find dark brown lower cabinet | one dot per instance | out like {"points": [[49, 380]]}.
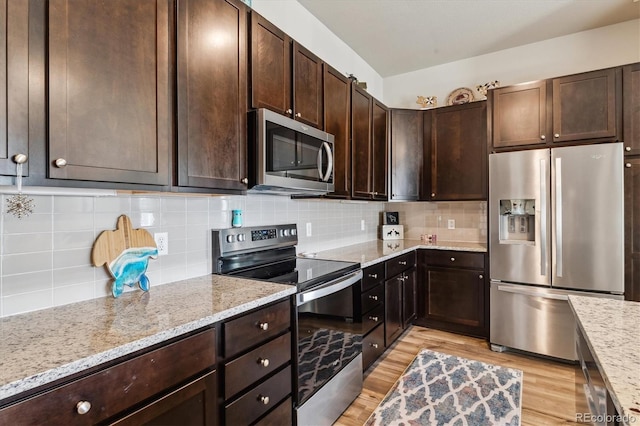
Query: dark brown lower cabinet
{"points": [[372, 313], [393, 324], [452, 292]]}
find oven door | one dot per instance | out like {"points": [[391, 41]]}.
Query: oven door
{"points": [[328, 337]]}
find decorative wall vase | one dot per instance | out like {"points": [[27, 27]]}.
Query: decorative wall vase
{"points": [[125, 252]]}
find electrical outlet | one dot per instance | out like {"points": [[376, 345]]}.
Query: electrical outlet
{"points": [[308, 229], [363, 226], [451, 224], [162, 242]]}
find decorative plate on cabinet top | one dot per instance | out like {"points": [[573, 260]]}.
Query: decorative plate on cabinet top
{"points": [[462, 95]]}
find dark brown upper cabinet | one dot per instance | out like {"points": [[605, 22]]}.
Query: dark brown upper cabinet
{"points": [[631, 108], [585, 106], [520, 115], [14, 84], [459, 152], [110, 90], [337, 110], [212, 94], [281, 71], [369, 134], [406, 154]]}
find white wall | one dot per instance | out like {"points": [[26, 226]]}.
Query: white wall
{"points": [[291, 17], [585, 51]]}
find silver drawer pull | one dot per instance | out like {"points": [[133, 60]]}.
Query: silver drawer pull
{"points": [[373, 297], [453, 259], [264, 326], [375, 319], [263, 362], [83, 407], [264, 399], [374, 276], [402, 263], [374, 345]]}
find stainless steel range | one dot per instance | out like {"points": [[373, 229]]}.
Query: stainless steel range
{"points": [[329, 342]]}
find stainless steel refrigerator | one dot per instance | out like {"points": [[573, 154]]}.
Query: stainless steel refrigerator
{"points": [[556, 224]]}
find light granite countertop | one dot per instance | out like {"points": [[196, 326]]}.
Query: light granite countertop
{"points": [[372, 252], [611, 328], [40, 347]]}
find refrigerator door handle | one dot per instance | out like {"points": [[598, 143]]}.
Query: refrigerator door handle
{"points": [[532, 293], [543, 217], [558, 219]]}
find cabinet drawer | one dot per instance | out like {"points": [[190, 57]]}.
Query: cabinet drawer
{"points": [[371, 319], [372, 346], [455, 259], [259, 400], [281, 415], [400, 263], [115, 389], [251, 367], [372, 298], [254, 328], [372, 276]]}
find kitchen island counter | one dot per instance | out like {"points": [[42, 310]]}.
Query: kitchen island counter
{"points": [[611, 329], [44, 346], [372, 252]]}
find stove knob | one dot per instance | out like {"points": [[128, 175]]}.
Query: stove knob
{"points": [[285, 232], [231, 238], [293, 231], [240, 237]]}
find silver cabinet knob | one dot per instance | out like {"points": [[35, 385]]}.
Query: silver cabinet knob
{"points": [[374, 319], [83, 407], [298, 115], [264, 362], [60, 162], [264, 326], [20, 158], [374, 276], [481, 276], [627, 148], [244, 180], [264, 399], [373, 297], [374, 345], [289, 111], [433, 194], [375, 193], [453, 259], [628, 165], [543, 137], [557, 135]]}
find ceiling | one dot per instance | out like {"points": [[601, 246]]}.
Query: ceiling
{"points": [[399, 36]]}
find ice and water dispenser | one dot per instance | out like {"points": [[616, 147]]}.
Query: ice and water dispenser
{"points": [[517, 221]]}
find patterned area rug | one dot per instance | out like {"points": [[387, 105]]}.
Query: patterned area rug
{"points": [[440, 389]]}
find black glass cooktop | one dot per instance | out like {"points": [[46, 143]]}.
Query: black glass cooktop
{"points": [[303, 272]]}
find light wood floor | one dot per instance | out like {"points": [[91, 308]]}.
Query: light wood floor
{"points": [[548, 394]]}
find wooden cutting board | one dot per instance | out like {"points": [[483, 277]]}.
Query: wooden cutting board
{"points": [[110, 244]]}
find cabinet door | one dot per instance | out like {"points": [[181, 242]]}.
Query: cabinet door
{"points": [[307, 86], [406, 154], [270, 66], [110, 91], [379, 150], [393, 324], [14, 84], [454, 296], [632, 229], [631, 108], [409, 297], [212, 97], [427, 135], [192, 404], [584, 106], [361, 166], [519, 114], [337, 110], [458, 153]]}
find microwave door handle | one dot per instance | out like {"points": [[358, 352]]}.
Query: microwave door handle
{"points": [[327, 148], [319, 163]]}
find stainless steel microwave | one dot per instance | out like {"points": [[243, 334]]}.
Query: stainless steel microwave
{"points": [[289, 157]]}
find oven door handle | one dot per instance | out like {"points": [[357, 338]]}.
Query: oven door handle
{"points": [[328, 288]]}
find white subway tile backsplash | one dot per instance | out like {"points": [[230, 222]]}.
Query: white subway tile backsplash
{"points": [[73, 222], [73, 240], [27, 243], [26, 283], [73, 293], [26, 302], [71, 258], [74, 275], [31, 224], [28, 262]]}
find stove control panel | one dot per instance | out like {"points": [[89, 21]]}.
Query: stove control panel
{"points": [[253, 238]]}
